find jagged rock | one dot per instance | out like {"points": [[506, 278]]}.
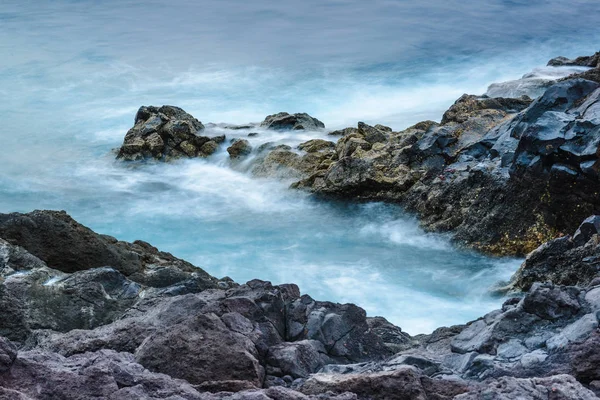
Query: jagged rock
{"points": [[285, 121], [239, 148], [164, 133], [585, 61], [342, 329], [563, 261], [588, 228], [392, 336], [550, 302]]}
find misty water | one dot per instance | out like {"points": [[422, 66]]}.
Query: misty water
{"points": [[73, 73]]}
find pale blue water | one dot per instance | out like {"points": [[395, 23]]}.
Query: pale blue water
{"points": [[73, 73]]}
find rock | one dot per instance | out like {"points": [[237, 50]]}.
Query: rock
{"points": [[298, 359], [462, 110], [342, 329], [588, 228], [163, 133], [343, 132], [8, 353], [240, 148], [64, 244], [554, 387], [208, 148], [392, 336], [585, 61], [550, 302], [285, 121], [561, 261], [585, 358], [105, 374], [201, 349], [404, 383], [504, 175], [315, 145]]}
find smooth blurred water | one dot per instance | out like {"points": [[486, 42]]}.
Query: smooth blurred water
{"points": [[73, 73]]}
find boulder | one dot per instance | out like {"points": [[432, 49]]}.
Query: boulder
{"points": [[200, 349], [239, 148], [285, 121], [164, 133]]}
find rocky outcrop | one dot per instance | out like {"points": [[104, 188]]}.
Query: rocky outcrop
{"points": [[504, 175], [568, 260], [165, 133], [285, 121]]}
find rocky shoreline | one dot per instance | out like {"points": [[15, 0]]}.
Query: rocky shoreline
{"points": [[504, 175], [88, 316]]}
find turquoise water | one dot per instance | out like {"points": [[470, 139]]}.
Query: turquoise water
{"points": [[73, 73]]}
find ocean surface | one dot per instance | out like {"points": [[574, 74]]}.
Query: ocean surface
{"points": [[73, 74]]}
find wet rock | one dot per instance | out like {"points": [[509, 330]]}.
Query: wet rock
{"points": [[240, 148], [163, 133], [285, 121]]}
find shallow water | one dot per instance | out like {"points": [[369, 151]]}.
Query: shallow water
{"points": [[73, 73]]}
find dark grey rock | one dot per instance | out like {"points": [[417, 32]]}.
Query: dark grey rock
{"points": [[163, 133], [285, 121]]}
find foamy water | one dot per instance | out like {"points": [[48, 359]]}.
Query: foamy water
{"points": [[74, 73]]}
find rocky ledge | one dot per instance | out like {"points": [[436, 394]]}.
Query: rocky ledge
{"points": [[87, 316]]}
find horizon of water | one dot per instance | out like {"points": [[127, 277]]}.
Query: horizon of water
{"points": [[73, 73]]}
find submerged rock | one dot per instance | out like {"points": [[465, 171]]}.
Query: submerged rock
{"points": [[285, 121]]}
